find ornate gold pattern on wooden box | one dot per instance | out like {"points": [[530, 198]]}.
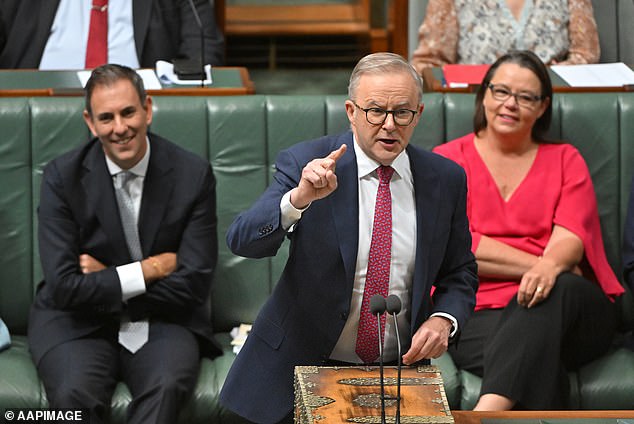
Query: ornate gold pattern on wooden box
{"points": [[332, 395]]}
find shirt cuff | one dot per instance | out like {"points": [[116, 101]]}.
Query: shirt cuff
{"points": [[131, 280], [454, 322], [290, 214]]}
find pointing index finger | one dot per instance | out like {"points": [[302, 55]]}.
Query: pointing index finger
{"points": [[337, 154]]}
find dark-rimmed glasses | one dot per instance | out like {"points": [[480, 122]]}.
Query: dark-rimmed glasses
{"points": [[376, 115], [525, 99]]}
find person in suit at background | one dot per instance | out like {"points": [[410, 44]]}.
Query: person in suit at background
{"points": [[478, 32], [53, 34], [128, 246], [323, 199], [546, 301]]}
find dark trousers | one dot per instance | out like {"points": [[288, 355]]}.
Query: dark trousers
{"points": [[525, 354], [161, 375]]}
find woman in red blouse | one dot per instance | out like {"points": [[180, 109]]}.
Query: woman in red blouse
{"points": [[546, 299]]}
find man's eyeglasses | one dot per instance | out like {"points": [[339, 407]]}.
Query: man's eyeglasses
{"points": [[376, 115], [502, 93]]}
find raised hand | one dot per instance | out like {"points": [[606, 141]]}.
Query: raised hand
{"points": [[318, 179]]}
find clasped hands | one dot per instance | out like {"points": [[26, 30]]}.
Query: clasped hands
{"points": [[154, 267], [318, 179]]}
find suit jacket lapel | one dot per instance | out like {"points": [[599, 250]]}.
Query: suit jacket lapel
{"points": [[47, 12], [99, 190], [141, 12], [29, 33], [427, 195], [157, 189], [345, 206]]}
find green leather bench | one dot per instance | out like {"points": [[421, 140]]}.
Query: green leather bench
{"points": [[241, 137]]}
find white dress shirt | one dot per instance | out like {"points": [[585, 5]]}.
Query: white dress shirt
{"points": [[68, 38]]}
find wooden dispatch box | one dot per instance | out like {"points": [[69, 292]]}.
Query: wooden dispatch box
{"points": [[332, 395]]}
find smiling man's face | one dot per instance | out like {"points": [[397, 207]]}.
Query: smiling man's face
{"points": [[120, 121], [389, 91]]}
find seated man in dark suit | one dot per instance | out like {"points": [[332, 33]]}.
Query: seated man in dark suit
{"points": [[324, 196], [54, 34], [128, 245]]}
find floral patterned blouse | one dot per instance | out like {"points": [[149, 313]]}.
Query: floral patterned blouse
{"points": [[480, 31]]}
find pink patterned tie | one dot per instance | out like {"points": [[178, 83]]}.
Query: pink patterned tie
{"points": [[377, 278]]}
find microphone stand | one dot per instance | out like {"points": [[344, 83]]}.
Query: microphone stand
{"points": [[394, 307], [378, 317], [202, 43], [398, 375], [377, 307]]}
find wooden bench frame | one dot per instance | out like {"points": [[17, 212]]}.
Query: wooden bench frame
{"points": [[383, 22]]}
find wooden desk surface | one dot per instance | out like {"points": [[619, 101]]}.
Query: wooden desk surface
{"points": [[473, 417], [227, 81], [432, 78]]}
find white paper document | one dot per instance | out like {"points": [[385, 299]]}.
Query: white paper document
{"points": [[165, 72], [596, 75], [239, 336], [150, 80]]}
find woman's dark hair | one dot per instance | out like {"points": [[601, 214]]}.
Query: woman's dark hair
{"points": [[525, 59], [109, 74]]}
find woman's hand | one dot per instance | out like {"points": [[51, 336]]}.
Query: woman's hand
{"points": [[537, 283], [563, 252]]}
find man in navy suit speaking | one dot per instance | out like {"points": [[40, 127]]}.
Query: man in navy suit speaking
{"points": [[366, 213]]}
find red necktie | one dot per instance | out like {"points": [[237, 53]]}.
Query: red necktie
{"points": [[97, 47], [377, 278]]}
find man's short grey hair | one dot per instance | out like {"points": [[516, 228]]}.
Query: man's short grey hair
{"points": [[382, 63]]}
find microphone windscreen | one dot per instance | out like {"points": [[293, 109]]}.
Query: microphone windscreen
{"points": [[377, 304], [393, 304]]}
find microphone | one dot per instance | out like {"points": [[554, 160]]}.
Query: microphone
{"points": [[393, 306], [190, 69], [377, 307]]}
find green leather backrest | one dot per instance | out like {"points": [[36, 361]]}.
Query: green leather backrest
{"points": [[56, 127], [241, 137], [183, 120], [591, 124], [237, 145], [15, 213], [625, 105]]}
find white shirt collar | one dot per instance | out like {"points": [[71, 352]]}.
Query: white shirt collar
{"points": [[367, 165], [139, 169]]}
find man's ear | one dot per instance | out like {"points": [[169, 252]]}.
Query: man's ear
{"points": [[350, 110], [148, 110], [89, 123]]}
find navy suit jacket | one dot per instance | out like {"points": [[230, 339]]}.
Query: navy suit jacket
{"points": [[78, 214], [163, 29], [303, 318]]}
